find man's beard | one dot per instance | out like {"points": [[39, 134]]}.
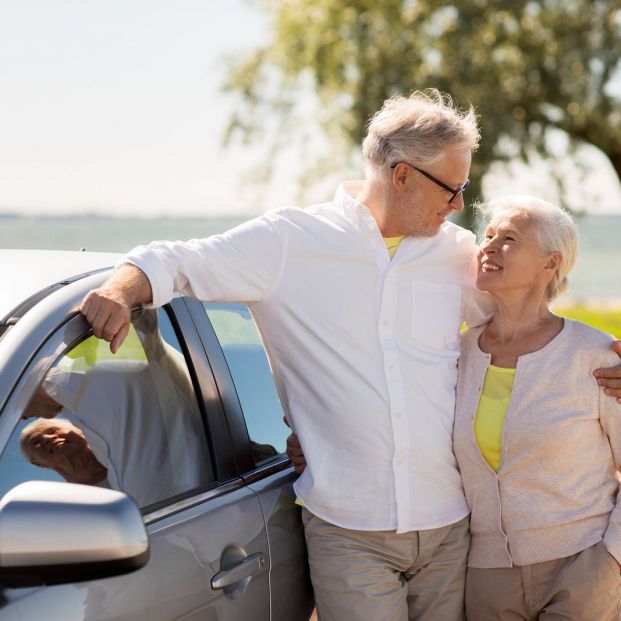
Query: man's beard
{"points": [[414, 225]]}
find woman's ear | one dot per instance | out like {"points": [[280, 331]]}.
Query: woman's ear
{"points": [[553, 260]]}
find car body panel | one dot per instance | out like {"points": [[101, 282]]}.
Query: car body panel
{"points": [[290, 587]]}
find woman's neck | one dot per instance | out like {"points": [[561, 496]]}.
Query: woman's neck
{"points": [[521, 325], [86, 470], [518, 316]]}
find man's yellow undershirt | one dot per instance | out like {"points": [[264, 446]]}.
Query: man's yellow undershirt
{"points": [[392, 243], [490, 416]]}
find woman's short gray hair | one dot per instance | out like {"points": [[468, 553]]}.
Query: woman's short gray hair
{"points": [[40, 424], [418, 129], [554, 227]]}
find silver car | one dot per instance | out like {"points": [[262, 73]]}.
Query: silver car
{"points": [[150, 484]]}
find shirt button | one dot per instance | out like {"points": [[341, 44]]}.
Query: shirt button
{"points": [[391, 367], [384, 323], [397, 414], [399, 462]]}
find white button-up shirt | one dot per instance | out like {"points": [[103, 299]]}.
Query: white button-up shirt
{"points": [[363, 350]]}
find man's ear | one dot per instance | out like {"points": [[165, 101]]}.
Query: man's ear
{"points": [[400, 174]]}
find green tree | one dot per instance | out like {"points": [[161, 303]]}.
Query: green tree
{"points": [[529, 67]]}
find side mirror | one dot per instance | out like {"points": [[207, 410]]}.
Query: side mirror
{"points": [[53, 533]]}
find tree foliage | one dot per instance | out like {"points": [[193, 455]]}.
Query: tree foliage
{"points": [[529, 68]]}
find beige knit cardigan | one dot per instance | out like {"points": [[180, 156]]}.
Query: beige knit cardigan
{"points": [[557, 489]]}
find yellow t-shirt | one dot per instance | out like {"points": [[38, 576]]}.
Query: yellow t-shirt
{"points": [[490, 416], [392, 243]]}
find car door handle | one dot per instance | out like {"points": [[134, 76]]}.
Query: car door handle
{"points": [[250, 566]]}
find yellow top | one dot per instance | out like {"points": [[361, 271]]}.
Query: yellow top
{"points": [[490, 416], [392, 243]]}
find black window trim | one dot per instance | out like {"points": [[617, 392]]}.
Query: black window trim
{"points": [[248, 470]]}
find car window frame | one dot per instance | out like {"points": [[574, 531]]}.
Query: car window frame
{"points": [[69, 335], [53, 327], [233, 412]]}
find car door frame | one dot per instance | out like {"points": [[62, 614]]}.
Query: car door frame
{"points": [[233, 412], [53, 326]]}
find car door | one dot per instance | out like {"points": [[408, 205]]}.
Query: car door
{"points": [[255, 419], [208, 541]]}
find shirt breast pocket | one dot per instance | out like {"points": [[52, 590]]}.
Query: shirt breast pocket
{"points": [[436, 314]]}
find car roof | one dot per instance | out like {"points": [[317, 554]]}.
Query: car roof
{"points": [[25, 273]]}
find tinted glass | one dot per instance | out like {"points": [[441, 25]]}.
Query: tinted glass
{"points": [[249, 366], [128, 421]]}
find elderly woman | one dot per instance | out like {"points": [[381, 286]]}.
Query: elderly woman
{"points": [[538, 446], [61, 446]]}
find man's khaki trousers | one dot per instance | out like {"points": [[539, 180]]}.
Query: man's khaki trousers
{"points": [[382, 576], [582, 587]]}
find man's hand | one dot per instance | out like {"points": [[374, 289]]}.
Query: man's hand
{"points": [[295, 454], [108, 309], [610, 379]]}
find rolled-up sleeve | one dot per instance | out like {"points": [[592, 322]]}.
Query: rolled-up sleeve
{"points": [[242, 265]]}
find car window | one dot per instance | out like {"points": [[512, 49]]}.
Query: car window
{"points": [[250, 369], [129, 421]]}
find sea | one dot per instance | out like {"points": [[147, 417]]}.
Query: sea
{"points": [[596, 279]]}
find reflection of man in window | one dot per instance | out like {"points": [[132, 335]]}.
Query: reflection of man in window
{"points": [[139, 417], [61, 446]]}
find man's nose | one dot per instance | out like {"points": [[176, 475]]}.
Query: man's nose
{"points": [[458, 203]]}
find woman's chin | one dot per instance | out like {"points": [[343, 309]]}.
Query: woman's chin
{"points": [[483, 284]]}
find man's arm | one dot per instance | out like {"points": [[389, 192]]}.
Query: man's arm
{"points": [[108, 309], [610, 378], [42, 405], [242, 265], [610, 420]]}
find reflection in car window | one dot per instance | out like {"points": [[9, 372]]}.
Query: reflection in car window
{"points": [[246, 359], [128, 421]]}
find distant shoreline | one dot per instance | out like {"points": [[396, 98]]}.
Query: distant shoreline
{"points": [[609, 304], [159, 215]]}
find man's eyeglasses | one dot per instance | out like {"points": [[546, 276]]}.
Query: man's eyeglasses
{"points": [[448, 188]]}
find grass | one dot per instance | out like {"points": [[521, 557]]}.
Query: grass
{"points": [[606, 319]]}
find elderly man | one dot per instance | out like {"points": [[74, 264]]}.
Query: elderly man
{"points": [[359, 303]]}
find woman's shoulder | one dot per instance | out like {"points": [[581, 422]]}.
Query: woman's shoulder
{"points": [[589, 340]]}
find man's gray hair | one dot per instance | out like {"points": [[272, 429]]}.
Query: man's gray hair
{"points": [[554, 227], [418, 129]]}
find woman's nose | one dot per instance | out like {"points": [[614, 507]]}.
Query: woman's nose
{"points": [[489, 244]]}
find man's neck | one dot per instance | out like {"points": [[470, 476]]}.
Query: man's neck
{"points": [[376, 197]]}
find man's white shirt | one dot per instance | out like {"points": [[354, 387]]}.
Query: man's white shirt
{"points": [[363, 349]]}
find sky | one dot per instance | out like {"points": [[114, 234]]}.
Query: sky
{"points": [[114, 107]]}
